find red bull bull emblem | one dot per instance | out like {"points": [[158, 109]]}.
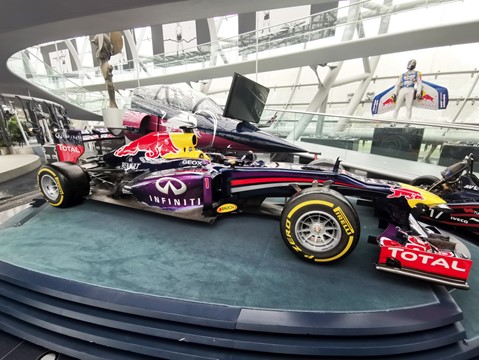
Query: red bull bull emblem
{"points": [[389, 100], [154, 145], [427, 97], [409, 194]]}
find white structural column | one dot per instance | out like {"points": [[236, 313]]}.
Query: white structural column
{"points": [[370, 66], [468, 96], [328, 82], [137, 65], [214, 51], [75, 55]]}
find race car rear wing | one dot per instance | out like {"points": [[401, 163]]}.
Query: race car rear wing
{"points": [[69, 144]]}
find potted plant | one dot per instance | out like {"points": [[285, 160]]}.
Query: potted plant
{"points": [[4, 150], [15, 132]]}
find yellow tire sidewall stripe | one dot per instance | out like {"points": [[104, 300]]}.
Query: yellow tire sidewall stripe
{"points": [[331, 205], [57, 181]]}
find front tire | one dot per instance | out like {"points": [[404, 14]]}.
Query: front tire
{"points": [[63, 184], [320, 226]]}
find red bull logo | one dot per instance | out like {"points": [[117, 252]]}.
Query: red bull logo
{"points": [[427, 97], [154, 145], [409, 194], [390, 100]]}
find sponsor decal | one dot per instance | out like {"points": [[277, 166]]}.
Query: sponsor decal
{"points": [[62, 137], [458, 219], [427, 97], [343, 220], [69, 148], [427, 262], [171, 185], [426, 259], [409, 194], [166, 201], [390, 100], [189, 162], [154, 145], [172, 188], [471, 187], [226, 208], [289, 237], [69, 152], [152, 161], [130, 166]]}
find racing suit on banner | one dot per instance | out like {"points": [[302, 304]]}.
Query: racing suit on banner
{"points": [[407, 85]]}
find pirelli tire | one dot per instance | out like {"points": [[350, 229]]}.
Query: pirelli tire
{"points": [[320, 225], [63, 184]]}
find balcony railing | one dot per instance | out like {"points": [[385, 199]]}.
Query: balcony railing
{"points": [[439, 144], [297, 35]]}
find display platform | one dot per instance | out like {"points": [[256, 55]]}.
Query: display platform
{"points": [[99, 281]]}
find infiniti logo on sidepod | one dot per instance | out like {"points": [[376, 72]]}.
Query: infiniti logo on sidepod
{"points": [[176, 186]]}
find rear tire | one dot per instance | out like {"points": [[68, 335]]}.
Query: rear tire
{"points": [[63, 184], [320, 226]]}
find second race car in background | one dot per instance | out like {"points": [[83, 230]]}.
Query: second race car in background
{"points": [[459, 187]]}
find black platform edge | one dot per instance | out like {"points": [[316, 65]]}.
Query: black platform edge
{"points": [[88, 321]]}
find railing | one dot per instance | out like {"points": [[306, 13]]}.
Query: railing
{"points": [[64, 87], [306, 33], [424, 142]]}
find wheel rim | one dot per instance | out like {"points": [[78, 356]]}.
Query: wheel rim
{"points": [[318, 231], [49, 187]]}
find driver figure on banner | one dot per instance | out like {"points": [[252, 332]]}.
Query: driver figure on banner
{"points": [[408, 87]]}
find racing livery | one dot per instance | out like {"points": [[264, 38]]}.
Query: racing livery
{"points": [[165, 173]]}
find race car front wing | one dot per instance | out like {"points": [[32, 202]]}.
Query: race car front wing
{"points": [[442, 267]]}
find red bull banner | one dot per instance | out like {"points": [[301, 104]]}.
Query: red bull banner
{"points": [[434, 97]]}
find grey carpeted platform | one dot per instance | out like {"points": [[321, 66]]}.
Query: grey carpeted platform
{"points": [[240, 260], [83, 275]]}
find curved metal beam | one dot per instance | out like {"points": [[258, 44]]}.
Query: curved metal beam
{"points": [[442, 35]]}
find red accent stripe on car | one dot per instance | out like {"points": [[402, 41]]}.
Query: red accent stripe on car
{"points": [[240, 182]]}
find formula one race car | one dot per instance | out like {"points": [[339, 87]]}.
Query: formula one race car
{"points": [[165, 173], [459, 187]]}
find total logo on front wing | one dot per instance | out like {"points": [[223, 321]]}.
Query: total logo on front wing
{"points": [[427, 262]]}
